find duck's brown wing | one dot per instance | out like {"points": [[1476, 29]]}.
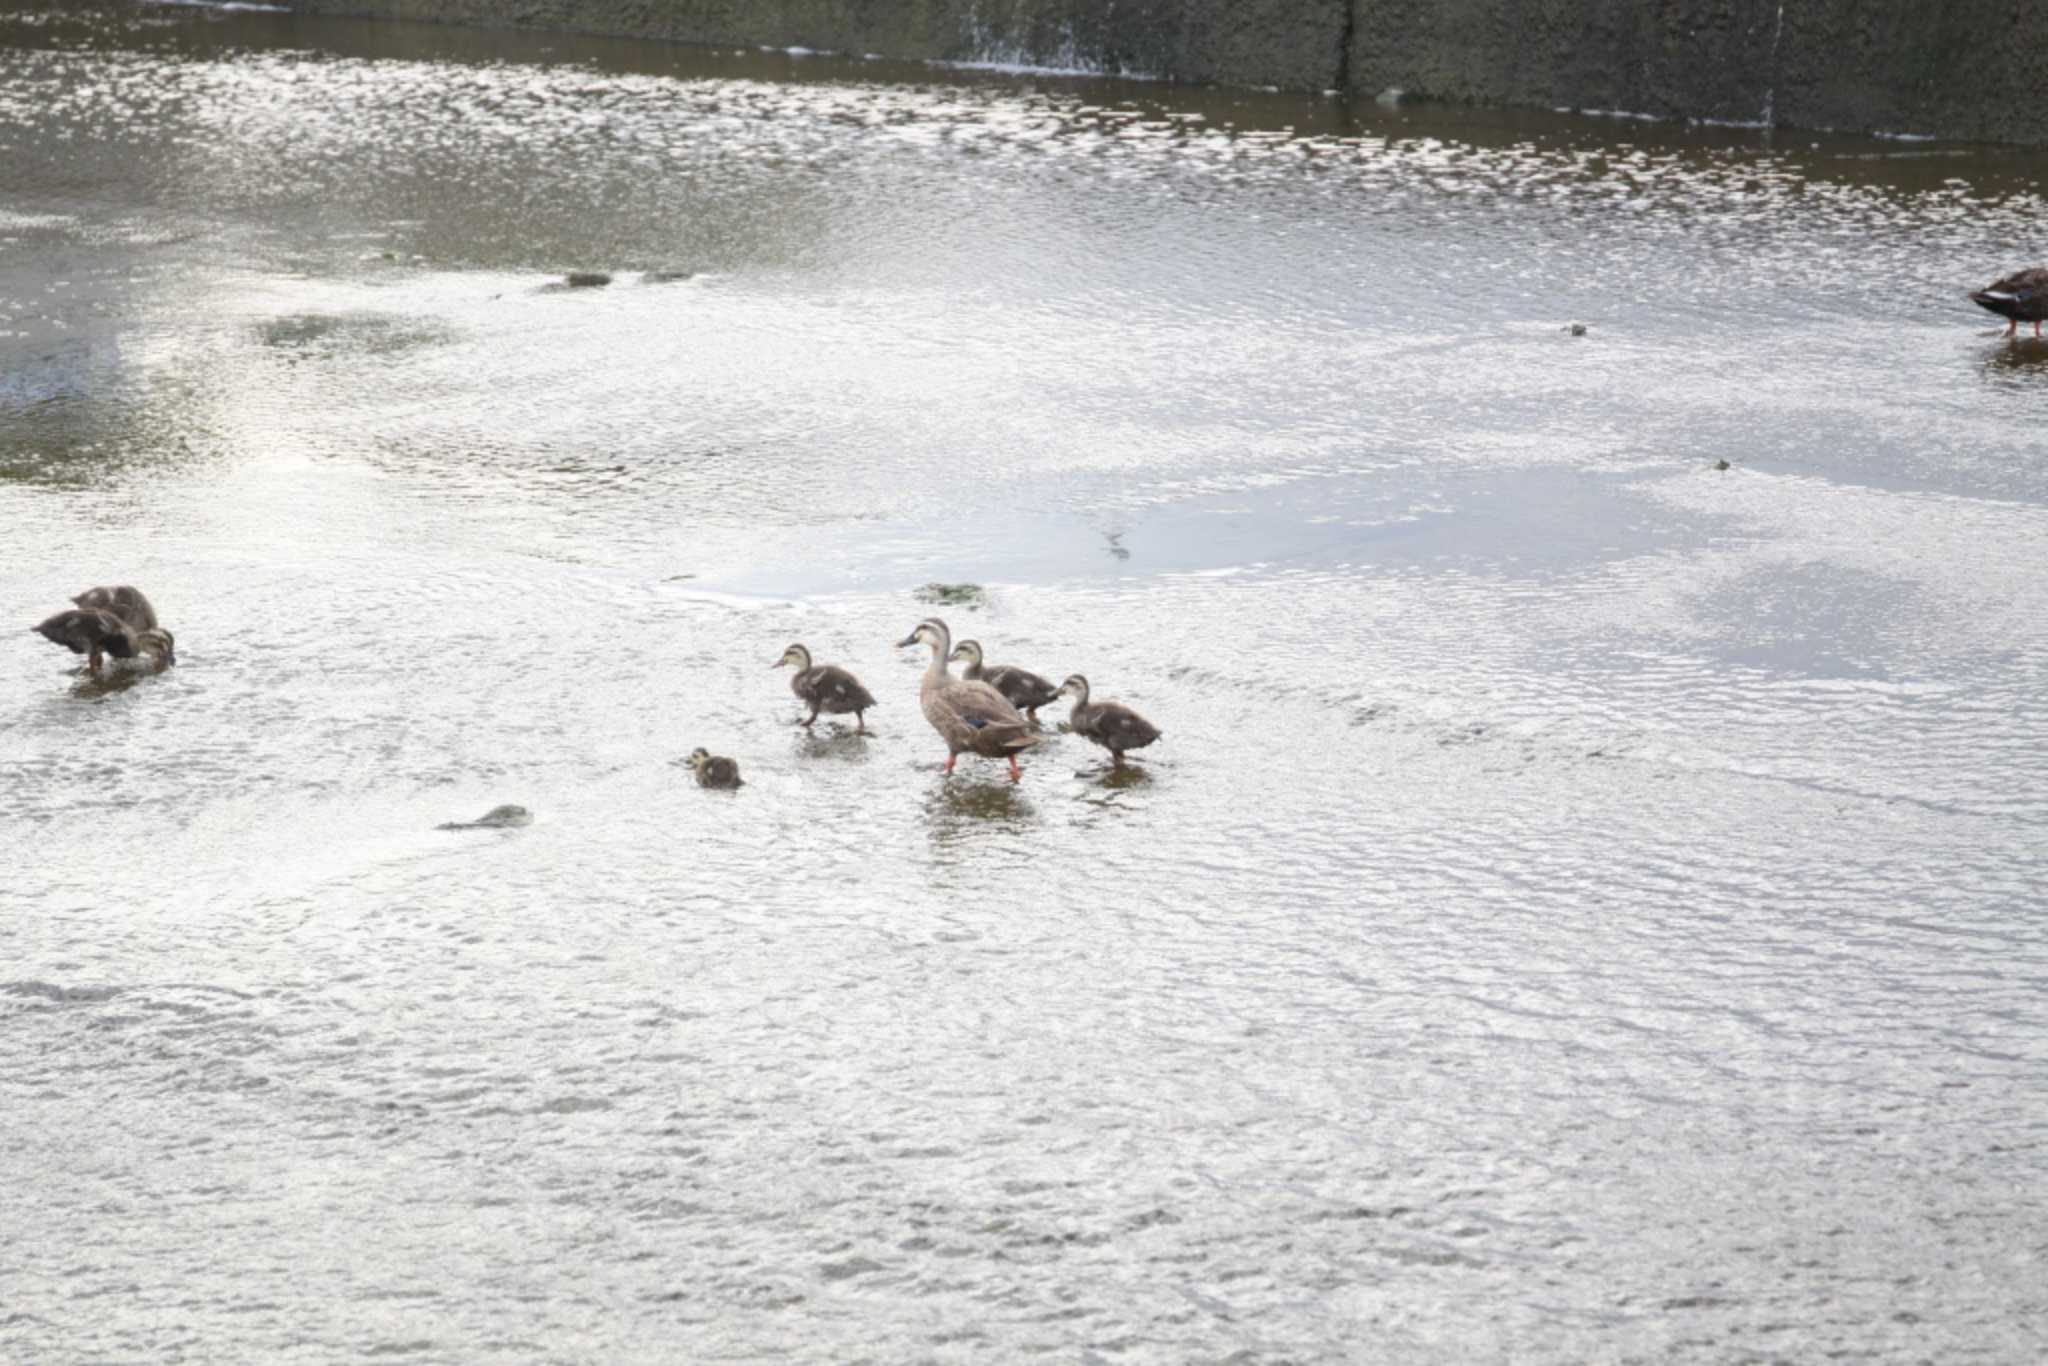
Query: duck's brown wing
{"points": [[123, 601], [1121, 728], [984, 721], [87, 629], [1021, 686], [834, 689], [2022, 295]]}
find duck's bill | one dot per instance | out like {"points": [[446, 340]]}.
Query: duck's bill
{"points": [[910, 639]]}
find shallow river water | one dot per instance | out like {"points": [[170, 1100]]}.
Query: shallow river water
{"points": [[1586, 905]]}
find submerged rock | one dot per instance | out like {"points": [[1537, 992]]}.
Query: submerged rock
{"points": [[507, 817], [1577, 329], [667, 277], [586, 279], [968, 595]]}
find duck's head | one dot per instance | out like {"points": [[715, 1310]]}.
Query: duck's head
{"points": [[795, 654], [160, 643], [932, 632], [1075, 687], [699, 757], [969, 650]]}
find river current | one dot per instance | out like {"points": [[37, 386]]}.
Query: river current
{"points": [[1586, 904]]}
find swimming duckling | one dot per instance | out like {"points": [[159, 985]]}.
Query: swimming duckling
{"points": [[2021, 296], [967, 714], [1112, 725], [1025, 690], [95, 632], [714, 770], [507, 817], [827, 687]]}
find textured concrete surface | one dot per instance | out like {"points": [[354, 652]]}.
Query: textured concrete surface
{"points": [[1955, 68], [1295, 44]]}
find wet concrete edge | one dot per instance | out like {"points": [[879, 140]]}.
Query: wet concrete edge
{"points": [[1960, 69]]}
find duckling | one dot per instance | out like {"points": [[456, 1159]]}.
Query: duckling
{"points": [[714, 770], [1112, 725], [1025, 690], [95, 632], [827, 687], [2021, 296], [967, 714]]}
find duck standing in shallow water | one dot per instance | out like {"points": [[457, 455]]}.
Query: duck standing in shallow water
{"points": [[714, 770], [116, 621], [2021, 296], [1112, 725], [1025, 690], [827, 687], [968, 715]]}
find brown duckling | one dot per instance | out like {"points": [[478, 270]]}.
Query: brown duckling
{"points": [[714, 770], [827, 687], [1112, 725], [1025, 690], [968, 715]]}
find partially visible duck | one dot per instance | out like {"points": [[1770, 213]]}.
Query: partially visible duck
{"points": [[2021, 296], [827, 687], [123, 601], [714, 770], [1026, 690], [968, 715], [1112, 725]]}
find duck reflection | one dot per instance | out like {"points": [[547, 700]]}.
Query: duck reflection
{"points": [[2021, 361], [958, 810]]}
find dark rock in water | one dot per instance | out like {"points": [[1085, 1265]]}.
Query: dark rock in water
{"points": [[1577, 329], [586, 279], [497, 818], [1720, 464], [667, 277]]}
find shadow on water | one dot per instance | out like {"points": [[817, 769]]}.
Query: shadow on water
{"points": [[831, 740], [110, 682], [2017, 361], [1109, 776], [960, 808]]}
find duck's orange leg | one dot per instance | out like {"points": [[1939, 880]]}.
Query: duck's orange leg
{"points": [[1015, 772], [951, 759]]}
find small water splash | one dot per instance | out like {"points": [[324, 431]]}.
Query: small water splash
{"points": [[991, 46], [1770, 119]]}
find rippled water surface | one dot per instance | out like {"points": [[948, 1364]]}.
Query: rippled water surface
{"points": [[1586, 906]]}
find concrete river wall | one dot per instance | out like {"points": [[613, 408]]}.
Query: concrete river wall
{"points": [[1953, 68]]}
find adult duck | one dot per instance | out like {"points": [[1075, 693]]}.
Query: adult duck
{"points": [[98, 632], [2021, 297], [969, 715]]}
